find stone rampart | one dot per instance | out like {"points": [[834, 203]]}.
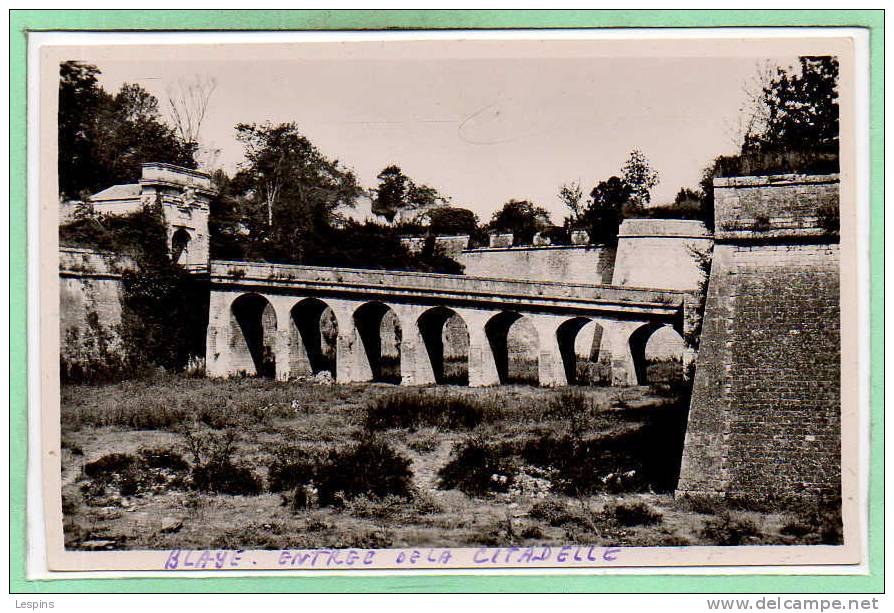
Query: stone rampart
{"points": [[574, 263], [90, 292], [660, 253], [764, 419]]}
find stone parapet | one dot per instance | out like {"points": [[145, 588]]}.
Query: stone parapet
{"points": [[758, 205], [443, 287]]}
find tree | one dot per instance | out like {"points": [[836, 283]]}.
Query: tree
{"points": [[288, 188], [602, 213], [452, 221], [130, 132], [391, 194], [397, 192], [104, 139], [188, 102], [686, 195], [79, 98], [522, 218], [572, 196], [791, 127], [639, 175], [797, 110]]}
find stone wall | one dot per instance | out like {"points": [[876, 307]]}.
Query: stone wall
{"points": [[90, 292], [764, 419], [451, 246], [659, 253], [574, 264]]}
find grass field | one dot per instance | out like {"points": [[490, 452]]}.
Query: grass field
{"points": [[176, 462]]}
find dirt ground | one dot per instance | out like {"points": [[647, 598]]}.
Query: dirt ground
{"points": [[266, 416]]}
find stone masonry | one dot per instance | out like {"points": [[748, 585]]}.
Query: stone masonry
{"points": [[90, 293], [765, 414]]}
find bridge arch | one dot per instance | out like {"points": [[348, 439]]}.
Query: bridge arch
{"points": [[579, 340], [515, 345], [180, 244], [313, 332], [657, 350], [253, 335], [379, 332], [446, 338]]}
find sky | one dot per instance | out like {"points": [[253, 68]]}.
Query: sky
{"points": [[481, 128]]}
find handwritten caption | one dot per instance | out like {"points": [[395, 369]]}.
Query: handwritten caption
{"points": [[570, 555]]}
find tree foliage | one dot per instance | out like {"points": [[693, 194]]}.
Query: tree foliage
{"points": [[605, 210], [640, 177], [797, 110], [452, 221], [287, 191], [572, 196], [103, 138], [282, 206], [522, 218], [397, 193]]}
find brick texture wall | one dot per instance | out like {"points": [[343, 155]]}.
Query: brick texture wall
{"points": [[765, 414]]}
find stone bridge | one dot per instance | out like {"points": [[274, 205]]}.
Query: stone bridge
{"points": [[288, 321]]}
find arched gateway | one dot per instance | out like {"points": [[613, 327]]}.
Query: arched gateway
{"points": [[289, 321]]}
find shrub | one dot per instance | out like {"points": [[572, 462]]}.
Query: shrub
{"points": [[634, 514], [817, 522], [376, 508], [417, 409], [551, 511], [531, 532], [708, 505], [214, 467], [728, 529], [160, 457], [581, 465], [151, 470], [226, 477], [425, 442], [109, 464], [292, 466], [477, 468], [370, 466]]}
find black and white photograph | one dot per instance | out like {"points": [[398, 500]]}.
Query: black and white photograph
{"points": [[482, 299]]}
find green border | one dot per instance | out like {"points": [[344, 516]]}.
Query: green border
{"points": [[22, 21]]}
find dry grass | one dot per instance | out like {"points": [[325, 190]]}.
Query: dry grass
{"points": [[287, 430]]}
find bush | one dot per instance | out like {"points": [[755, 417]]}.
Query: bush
{"points": [[214, 467], [728, 529], [226, 477], [376, 508], [151, 470], [417, 409], [159, 457], [634, 514], [817, 522], [425, 442], [551, 511], [370, 467], [292, 466], [708, 505], [110, 464], [581, 464], [477, 468]]}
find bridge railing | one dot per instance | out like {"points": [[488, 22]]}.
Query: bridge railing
{"points": [[291, 275]]}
